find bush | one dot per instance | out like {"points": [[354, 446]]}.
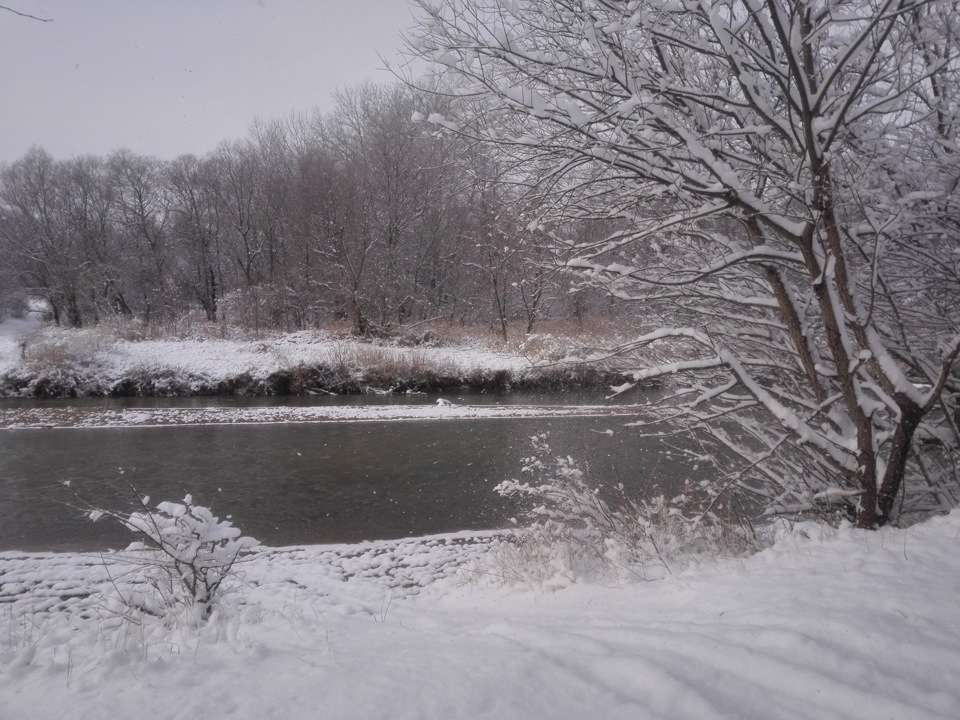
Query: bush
{"points": [[186, 554], [570, 527]]}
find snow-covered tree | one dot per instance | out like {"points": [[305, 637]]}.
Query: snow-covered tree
{"points": [[783, 174]]}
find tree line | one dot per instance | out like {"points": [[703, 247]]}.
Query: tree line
{"points": [[360, 215]]}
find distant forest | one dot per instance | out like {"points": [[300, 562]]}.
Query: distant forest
{"points": [[362, 215]]}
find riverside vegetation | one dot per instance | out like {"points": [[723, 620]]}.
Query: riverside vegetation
{"points": [[119, 360]]}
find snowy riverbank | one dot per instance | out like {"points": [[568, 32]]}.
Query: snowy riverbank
{"points": [[38, 361], [825, 624]]}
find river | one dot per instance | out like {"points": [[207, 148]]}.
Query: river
{"points": [[297, 482]]}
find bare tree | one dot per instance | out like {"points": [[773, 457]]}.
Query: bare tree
{"points": [[142, 214], [198, 224], [88, 202], [393, 257], [784, 173], [32, 243], [57, 232], [501, 250]]}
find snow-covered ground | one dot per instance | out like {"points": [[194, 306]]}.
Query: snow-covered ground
{"points": [[845, 624], [221, 358], [100, 359]]}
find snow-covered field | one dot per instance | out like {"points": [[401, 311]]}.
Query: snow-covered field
{"points": [[845, 624]]}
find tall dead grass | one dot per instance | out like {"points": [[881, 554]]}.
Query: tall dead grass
{"points": [[570, 526]]}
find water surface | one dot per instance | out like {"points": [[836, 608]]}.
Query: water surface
{"points": [[299, 483]]}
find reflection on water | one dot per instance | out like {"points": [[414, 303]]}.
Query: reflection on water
{"points": [[292, 484]]}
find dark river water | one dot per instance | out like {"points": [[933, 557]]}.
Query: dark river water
{"points": [[299, 483]]}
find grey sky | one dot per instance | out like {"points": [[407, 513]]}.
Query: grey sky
{"points": [[167, 77]]}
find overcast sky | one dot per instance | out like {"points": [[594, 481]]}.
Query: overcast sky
{"points": [[167, 77]]}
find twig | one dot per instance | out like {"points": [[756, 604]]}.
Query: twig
{"points": [[26, 15]]}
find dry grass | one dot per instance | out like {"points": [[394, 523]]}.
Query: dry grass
{"points": [[646, 544], [51, 347], [571, 525], [385, 368], [599, 332]]}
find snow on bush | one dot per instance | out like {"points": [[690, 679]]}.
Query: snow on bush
{"points": [[571, 528], [186, 555]]}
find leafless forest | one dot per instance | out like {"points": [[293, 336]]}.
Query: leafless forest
{"points": [[361, 215]]}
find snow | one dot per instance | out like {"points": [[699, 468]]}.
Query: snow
{"points": [[102, 355], [231, 357], [71, 416], [12, 333], [824, 624]]}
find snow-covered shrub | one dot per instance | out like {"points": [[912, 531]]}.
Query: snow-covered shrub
{"points": [[571, 527], [543, 348], [58, 362], [185, 555], [67, 348]]}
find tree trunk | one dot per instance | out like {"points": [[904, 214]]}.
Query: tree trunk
{"points": [[910, 416]]}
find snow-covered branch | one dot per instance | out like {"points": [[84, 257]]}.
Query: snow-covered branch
{"points": [[778, 177]]}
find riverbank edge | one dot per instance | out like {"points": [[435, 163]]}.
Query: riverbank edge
{"points": [[300, 380], [48, 581]]}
